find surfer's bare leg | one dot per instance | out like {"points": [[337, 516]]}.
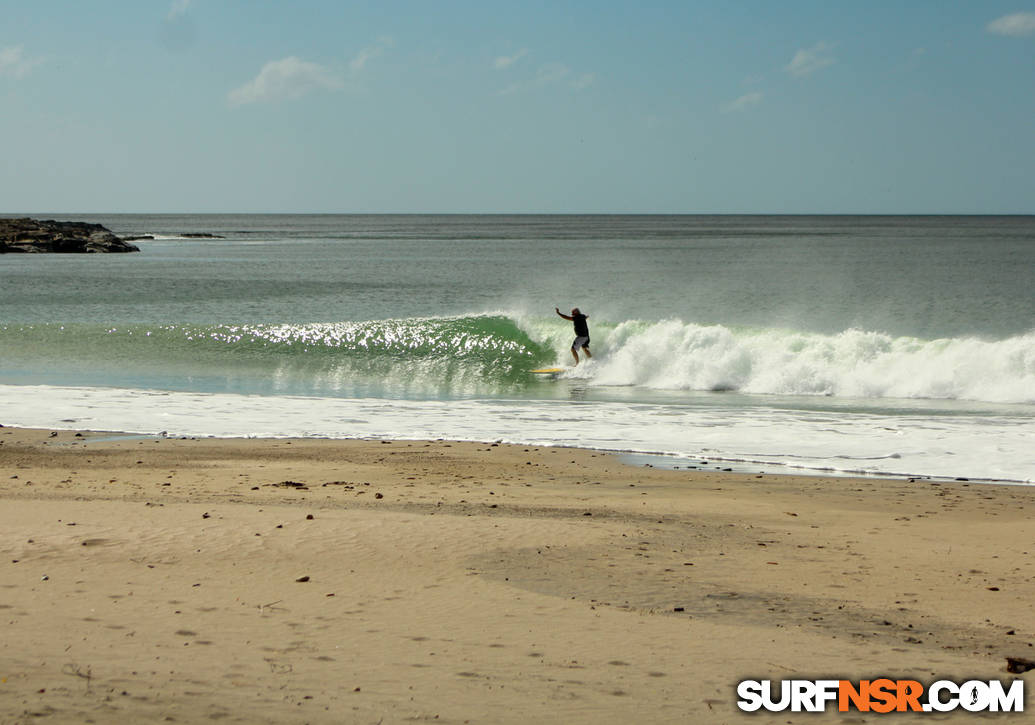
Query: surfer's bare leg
{"points": [[588, 353], [575, 355]]}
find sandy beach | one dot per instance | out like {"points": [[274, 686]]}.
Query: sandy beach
{"points": [[320, 581]]}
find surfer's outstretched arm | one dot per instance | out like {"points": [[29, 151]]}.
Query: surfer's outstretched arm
{"points": [[558, 310]]}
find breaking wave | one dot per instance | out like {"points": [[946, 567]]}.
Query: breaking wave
{"points": [[493, 354], [852, 364]]}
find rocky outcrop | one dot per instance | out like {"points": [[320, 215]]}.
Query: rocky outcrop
{"points": [[33, 235]]}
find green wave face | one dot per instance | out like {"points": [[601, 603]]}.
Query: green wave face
{"points": [[454, 356]]}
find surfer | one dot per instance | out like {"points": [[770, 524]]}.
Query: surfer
{"points": [[581, 332]]}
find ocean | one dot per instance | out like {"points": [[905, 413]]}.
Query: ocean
{"points": [[804, 344]]}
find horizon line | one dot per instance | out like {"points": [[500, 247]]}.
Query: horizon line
{"points": [[22, 214]]}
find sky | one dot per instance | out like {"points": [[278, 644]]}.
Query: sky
{"points": [[191, 106]]}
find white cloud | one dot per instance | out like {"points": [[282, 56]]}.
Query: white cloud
{"points": [[284, 79], [505, 61], [809, 60], [584, 81], [549, 75], [14, 63], [745, 101], [178, 8], [1017, 25], [546, 75], [369, 53]]}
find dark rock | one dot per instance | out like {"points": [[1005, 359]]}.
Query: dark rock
{"points": [[33, 235], [291, 484], [1017, 665]]}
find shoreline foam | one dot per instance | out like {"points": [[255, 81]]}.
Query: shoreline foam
{"points": [[992, 447]]}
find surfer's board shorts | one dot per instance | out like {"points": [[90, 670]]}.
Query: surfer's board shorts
{"points": [[581, 341]]}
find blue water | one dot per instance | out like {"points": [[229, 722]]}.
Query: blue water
{"points": [[907, 318]]}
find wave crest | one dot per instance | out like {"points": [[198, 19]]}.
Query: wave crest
{"points": [[675, 355], [492, 354]]}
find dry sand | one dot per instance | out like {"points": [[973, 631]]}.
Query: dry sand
{"points": [[159, 580]]}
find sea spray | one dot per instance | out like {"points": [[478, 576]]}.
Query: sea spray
{"points": [[675, 355], [492, 354]]}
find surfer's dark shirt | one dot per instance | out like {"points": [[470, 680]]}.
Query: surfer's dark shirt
{"points": [[581, 328]]}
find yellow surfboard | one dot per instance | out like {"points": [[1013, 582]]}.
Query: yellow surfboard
{"points": [[549, 371]]}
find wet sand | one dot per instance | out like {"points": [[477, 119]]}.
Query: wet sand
{"points": [[252, 581]]}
